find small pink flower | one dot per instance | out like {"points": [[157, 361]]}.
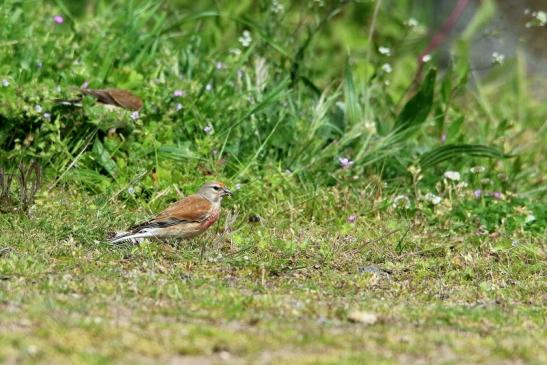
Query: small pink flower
{"points": [[496, 195], [58, 19], [85, 85], [179, 93], [352, 218], [345, 162]]}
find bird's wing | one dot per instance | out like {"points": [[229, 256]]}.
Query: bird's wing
{"points": [[193, 208], [116, 97], [103, 96], [125, 99]]}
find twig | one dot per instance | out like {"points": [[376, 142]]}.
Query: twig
{"points": [[439, 37]]}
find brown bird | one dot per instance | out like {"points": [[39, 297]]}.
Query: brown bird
{"points": [[111, 97], [184, 219]]}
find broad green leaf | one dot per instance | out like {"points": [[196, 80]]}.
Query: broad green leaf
{"points": [[177, 153], [417, 109], [450, 151], [104, 159], [351, 100]]}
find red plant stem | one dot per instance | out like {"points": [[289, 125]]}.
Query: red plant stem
{"points": [[439, 37]]}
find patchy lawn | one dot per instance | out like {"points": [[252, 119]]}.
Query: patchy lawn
{"points": [[381, 290]]}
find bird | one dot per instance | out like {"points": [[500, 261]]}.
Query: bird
{"points": [[111, 97], [183, 219]]}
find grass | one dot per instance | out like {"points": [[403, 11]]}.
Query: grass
{"points": [[374, 221], [272, 292]]}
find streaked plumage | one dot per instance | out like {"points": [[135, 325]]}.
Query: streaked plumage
{"points": [[184, 219]]}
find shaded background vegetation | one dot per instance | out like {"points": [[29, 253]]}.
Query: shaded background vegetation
{"points": [[320, 92]]}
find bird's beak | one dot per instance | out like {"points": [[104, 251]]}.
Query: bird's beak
{"points": [[226, 192]]}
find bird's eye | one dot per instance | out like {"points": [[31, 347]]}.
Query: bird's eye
{"points": [[216, 188]]}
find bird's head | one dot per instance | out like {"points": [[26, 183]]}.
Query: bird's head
{"points": [[214, 191]]}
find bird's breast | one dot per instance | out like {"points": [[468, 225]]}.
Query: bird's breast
{"points": [[211, 219]]}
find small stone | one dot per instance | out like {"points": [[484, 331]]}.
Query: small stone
{"points": [[366, 318]]}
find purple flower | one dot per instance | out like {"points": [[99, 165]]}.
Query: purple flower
{"points": [[179, 93], [496, 195], [352, 218], [135, 115], [345, 162], [208, 129], [85, 85], [58, 19], [477, 193]]}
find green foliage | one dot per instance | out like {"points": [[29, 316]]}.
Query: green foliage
{"points": [[451, 151], [417, 109], [358, 186], [284, 101]]}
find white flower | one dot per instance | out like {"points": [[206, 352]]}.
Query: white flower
{"points": [[178, 107], [370, 126], [5, 83], [386, 51], [541, 17], [135, 115], [530, 218], [497, 58], [245, 39], [432, 198], [131, 190], [477, 169], [47, 116], [235, 51], [277, 7], [452, 175], [219, 65], [38, 108], [426, 58], [401, 201], [208, 87], [238, 186], [411, 23], [386, 67]]}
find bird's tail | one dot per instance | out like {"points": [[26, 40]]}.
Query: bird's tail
{"points": [[133, 237], [69, 102]]}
